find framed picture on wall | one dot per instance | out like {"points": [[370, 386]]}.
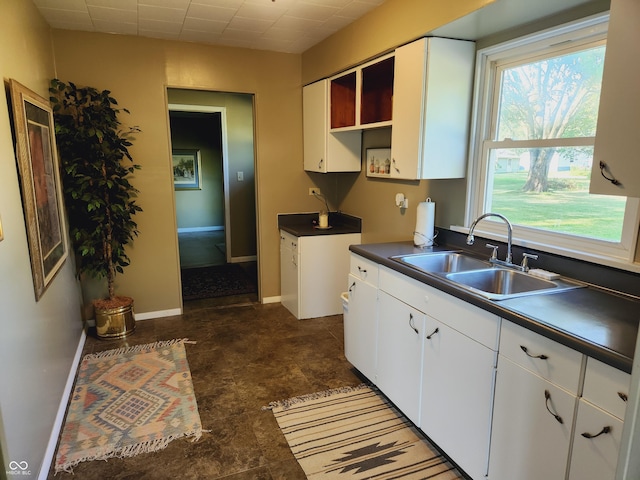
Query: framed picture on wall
{"points": [[187, 173], [378, 162], [40, 184]]}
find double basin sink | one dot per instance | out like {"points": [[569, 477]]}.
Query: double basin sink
{"points": [[480, 277]]}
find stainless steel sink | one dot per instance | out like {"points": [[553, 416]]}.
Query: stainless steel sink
{"points": [[442, 262], [500, 283]]}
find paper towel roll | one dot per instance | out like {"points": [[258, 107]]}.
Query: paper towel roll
{"points": [[423, 234]]}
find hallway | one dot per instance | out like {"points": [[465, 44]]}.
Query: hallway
{"points": [[246, 356]]}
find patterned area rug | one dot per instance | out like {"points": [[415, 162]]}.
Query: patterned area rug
{"points": [[129, 401], [217, 281], [356, 433]]}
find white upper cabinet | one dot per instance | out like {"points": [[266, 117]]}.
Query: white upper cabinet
{"points": [[326, 151], [619, 115], [433, 84]]}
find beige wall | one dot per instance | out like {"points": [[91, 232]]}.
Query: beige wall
{"points": [[137, 71], [38, 340]]}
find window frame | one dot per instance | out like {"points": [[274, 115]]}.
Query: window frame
{"points": [[567, 37]]}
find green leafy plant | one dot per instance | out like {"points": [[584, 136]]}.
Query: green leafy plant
{"points": [[96, 169]]}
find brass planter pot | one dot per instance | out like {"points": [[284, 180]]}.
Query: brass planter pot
{"points": [[115, 322]]}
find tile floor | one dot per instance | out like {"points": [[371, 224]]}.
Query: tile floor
{"points": [[246, 355], [201, 249]]}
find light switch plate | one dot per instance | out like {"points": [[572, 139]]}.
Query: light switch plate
{"points": [[240, 176]]}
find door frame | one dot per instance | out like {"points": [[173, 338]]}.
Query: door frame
{"points": [[179, 107]]}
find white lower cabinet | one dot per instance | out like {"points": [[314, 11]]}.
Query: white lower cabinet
{"points": [[361, 326], [399, 369], [596, 441], [532, 420], [596, 444], [457, 396], [499, 399]]}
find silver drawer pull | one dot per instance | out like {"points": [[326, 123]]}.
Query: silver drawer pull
{"points": [[541, 357]]}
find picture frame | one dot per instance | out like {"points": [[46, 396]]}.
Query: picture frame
{"points": [[187, 169], [378, 162], [39, 170]]}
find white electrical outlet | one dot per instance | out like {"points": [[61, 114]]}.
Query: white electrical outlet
{"points": [[314, 190]]}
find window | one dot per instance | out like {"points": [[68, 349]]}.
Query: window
{"points": [[531, 161]]}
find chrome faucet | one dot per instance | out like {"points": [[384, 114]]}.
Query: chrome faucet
{"points": [[470, 239]]}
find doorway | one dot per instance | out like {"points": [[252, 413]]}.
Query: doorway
{"points": [[213, 162]]}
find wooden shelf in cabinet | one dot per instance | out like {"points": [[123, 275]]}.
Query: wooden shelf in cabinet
{"points": [[343, 101], [377, 92]]}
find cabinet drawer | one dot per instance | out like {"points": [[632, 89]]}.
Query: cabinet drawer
{"points": [[595, 458], [469, 320], [551, 360], [364, 269], [606, 387]]}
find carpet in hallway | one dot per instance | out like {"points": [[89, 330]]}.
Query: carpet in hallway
{"points": [[356, 433], [129, 401], [216, 281]]}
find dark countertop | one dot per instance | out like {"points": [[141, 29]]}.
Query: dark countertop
{"points": [[599, 323], [305, 224]]}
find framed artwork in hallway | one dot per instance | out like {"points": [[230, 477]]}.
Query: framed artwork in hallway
{"points": [[40, 184], [186, 169]]}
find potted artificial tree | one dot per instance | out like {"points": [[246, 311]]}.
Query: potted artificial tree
{"points": [[100, 200]]}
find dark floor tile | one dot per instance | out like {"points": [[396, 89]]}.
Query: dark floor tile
{"points": [[245, 355]]}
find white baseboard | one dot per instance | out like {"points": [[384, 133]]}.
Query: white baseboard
{"points": [[212, 228], [248, 258], [266, 300], [62, 410], [91, 322], [157, 314]]}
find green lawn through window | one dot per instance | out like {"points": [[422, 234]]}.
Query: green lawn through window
{"points": [[566, 208]]}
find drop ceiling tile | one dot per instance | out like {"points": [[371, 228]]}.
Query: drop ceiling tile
{"points": [[219, 3], [62, 4], [250, 25], [117, 4], [157, 26], [200, 37], [206, 12], [330, 3], [265, 12], [180, 4], [296, 24], [203, 26], [162, 14], [312, 12], [114, 15], [67, 16]]}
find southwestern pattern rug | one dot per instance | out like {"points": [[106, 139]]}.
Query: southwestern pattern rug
{"points": [[129, 401], [356, 433]]}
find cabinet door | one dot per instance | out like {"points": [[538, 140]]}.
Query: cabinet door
{"points": [[433, 83], [361, 326], [595, 458], [527, 441], [457, 396], [408, 102], [399, 354], [326, 151], [314, 117], [619, 115], [289, 273]]}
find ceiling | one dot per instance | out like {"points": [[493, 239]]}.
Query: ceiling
{"points": [[290, 26]]}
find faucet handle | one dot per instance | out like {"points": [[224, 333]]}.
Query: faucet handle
{"points": [[494, 254], [525, 260]]}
